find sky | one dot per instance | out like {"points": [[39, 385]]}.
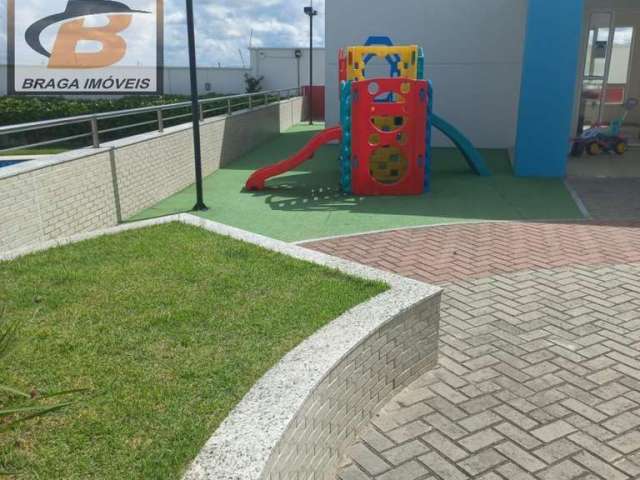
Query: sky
{"points": [[223, 27]]}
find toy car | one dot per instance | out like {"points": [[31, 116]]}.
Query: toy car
{"points": [[598, 140]]}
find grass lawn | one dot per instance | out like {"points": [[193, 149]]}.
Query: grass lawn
{"points": [[307, 203], [168, 326]]}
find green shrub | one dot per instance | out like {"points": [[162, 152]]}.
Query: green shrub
{"points": [[32, 109], [254, 84], [16, 110]]}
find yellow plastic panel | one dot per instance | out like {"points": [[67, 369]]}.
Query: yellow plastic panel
{"points": [[388, 165], [408, 64]]}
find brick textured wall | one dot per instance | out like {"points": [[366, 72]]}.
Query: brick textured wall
{"points": [[19, 212], [91, 189], [152, 170], [355, 390], [52, 202]]}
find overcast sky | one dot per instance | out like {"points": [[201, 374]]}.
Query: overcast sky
{"points": [[224, 26]]}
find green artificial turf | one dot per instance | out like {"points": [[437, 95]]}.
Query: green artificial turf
{"points": [[34, 151], [168, 327], [307, 202]]}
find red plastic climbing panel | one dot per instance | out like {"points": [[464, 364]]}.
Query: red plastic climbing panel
{"points": [[389, 136]]}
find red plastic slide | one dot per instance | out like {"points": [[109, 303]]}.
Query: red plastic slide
{"points": [[259, 177]]}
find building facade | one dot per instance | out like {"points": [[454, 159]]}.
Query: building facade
{"points": [[522, 75], [474, 59]]}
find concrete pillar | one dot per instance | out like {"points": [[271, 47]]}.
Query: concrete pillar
{"points": [[548, 91]]}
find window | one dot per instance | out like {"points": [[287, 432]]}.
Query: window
{"points": [[597, 52], [621, 55]]}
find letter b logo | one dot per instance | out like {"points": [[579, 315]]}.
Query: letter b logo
{"points": [[113, 46]]}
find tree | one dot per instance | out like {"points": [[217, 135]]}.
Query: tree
{"points": [[253, 83]]}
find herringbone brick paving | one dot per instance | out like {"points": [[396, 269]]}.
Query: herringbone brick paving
{"points": [[457, 252], [539, 378], [539, 373]]}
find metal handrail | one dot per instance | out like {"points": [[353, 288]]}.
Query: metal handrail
{"points": [[93, 119]]}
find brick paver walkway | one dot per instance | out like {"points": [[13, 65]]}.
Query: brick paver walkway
{"points": [[440, 254], [539, 378], [539, 373]]}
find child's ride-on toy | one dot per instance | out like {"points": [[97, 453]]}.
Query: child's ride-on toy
{"points": [[598, 140]]}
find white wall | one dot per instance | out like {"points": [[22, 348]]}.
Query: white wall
{"points": [[280, 67], [473, 53], [220, 80]]}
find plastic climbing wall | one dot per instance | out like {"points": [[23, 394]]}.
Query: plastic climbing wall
{"points": [[388, 136]]}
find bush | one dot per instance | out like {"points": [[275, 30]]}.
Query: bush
{"points": [[254, 84], [32, 109], [15, 110]]}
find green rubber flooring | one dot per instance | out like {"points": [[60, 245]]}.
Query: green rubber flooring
{"points": [[306, 203]]}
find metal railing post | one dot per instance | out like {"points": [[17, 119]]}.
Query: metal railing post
{"points": [[250, 102], [266, 98], [229, 111], [160, 120], [201, 110], [95, 135]]}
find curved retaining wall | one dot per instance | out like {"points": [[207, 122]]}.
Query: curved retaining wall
{"points": [[344, 401], [298, 419]]}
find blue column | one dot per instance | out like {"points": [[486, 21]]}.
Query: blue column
{"points": [[548, 92]]}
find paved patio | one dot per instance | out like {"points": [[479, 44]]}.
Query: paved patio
{"points": [[456, 252], [539, 371]]}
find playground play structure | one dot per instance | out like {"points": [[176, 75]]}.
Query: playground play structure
{"points": [[385, 126]]}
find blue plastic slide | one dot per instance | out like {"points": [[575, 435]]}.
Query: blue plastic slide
{"points": [[471, 154]]}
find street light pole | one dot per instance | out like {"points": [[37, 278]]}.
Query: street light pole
{"points": [[312, 13], [298, 55], [195, 108]]}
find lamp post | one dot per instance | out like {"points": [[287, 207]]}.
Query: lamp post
{"points": [[195, 107], [298, 55], [311, 13]]}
